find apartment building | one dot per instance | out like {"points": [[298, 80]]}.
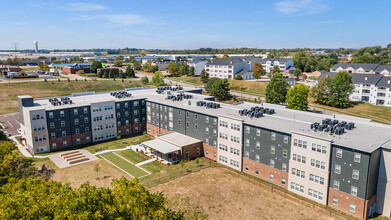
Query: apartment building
{"points": [[339, 161], [383, 70], [372, 88], [228, 68], [283, 64], [355, 67], [198, 65]]}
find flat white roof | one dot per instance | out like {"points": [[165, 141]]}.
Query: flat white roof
{"points": [[161, 146], [178, 139]]}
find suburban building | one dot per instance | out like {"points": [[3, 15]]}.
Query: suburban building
{"points": [[285, 65], [339, 161], [73, 68], [228, 68], [198, 65], [372, 88], [383, 70], [355, 67]]}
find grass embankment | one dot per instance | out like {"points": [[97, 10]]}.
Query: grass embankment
{"points": [[10, 91], [124, 165]]}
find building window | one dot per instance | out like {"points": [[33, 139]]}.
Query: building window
{"points": [[339, 153], [305, 144], [76, 121], [64, 133], [246, 167], [196, 116], [196, 127], [272, 149], [65, 143], [355, 174], [257, 158], [214, 155], [273, 136], [258, 145], [336, 184], [285, 153], [352, 207], [51, 124], [248, 130], [286, 138], [283, 181], [85, 110], [207, 119], [62, 113], [87, 139], [207, 152], [353, 191], [62, 123], [54, 145], [86, 129], [284, 167], [337, 169], [77, 131], [271, 177], [179, 122], [187, 114], [295, 142], [335, 200], [198, 151], [258, 132], [75, 112], [271, 163], [50, 114], [78, 141], [357, 157]]}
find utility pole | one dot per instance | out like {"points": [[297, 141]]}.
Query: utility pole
{"points": [[15, 47]]}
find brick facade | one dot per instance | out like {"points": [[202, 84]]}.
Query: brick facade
{"points": [[59, 143], [264, 172], [138, 128], [82, 137], [210, 152], [70, 70], [193, 153], [344, 201], [125, 130], [154, 131]]}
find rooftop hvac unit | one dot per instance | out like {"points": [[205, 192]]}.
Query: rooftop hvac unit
{"points": [[349, 126], [271, 111], [258, 114], [218, 105], [334, 122], [252, 108], [339, 130], [245, 111], [240, 112]]}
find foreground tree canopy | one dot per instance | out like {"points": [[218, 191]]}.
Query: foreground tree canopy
{"points": [[276, 90], [297, 97], [26, 193]]}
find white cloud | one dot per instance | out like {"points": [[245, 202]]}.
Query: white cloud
{"points": [[124, 19], [84, 6], [301, 6]]}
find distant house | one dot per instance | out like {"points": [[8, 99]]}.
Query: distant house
{"points": [[30, 62], [383, 70], [228, 68], [285, 65], [290, 81], [355, 67], [246, 74], [163, 67], [198, 65], [318, 73], [73, 68]]}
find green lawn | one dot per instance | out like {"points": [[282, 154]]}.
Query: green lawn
{"points": [[112, 144], [132, 156], [124, 165], [153, 167], [41, 89]]}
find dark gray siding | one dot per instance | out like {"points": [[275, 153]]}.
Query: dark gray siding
{"points": [[81, 116], [347, 165], [123, 113], [57, 119], [141, 115], [179, 120], [265, 149], [196, 124], [373, 173]]}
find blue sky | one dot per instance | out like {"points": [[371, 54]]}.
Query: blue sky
{"points": [[194, 24]]}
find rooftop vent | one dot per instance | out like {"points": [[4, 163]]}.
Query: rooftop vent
{"points": [[121, 94], [256, 111], [332, 126], [61, 101]]}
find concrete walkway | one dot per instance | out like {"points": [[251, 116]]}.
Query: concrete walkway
{"points": [[21, 148], [145, 162]]}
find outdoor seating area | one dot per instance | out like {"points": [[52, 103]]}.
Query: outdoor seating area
{"points": [[163, 151], [72, 157]]}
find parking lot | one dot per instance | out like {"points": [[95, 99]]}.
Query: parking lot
{"points": [[10, 123]]}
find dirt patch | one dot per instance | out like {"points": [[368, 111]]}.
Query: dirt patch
{"points": [[217, 193], [82, 173]]}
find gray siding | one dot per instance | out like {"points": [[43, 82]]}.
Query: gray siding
{"points": [[347, 165], [373, 173], [196, 124], [82, 125], [57, 119], [265, 149], [121, 110]]}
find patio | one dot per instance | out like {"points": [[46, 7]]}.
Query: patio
{"points": [[165, 152]]}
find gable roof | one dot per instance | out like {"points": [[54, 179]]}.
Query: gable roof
{"points": [[365, 66], [228, 61], [384, 82], [357, 78], [383, 67]]}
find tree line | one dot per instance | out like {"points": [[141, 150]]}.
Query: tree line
{"points": [[27, 192]]}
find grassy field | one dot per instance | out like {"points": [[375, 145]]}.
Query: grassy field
{"points": [[134, 157], [377, 113], [10, 91], [217, 193], [124, 165], [82, 173]]}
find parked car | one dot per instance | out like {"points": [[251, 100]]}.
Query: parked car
{"points": [[19, 130], [6, 133]]}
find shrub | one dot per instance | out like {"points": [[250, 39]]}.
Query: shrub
{"points": [[144, 80]]}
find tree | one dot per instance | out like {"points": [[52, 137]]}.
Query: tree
{"points": [[94, 66], [119, 61], [144, 80], [53, 200], [153, 68], [218, 88], [320, 91], [97, 168], [225, 56], [191, 71], [276, 90], [340, 88], [100, 74], [297, 97], [157, 79], [111, 74], [297, 73], [276, 69], [204, 76], [173, 68], [130, 72], [43, 67], [105, 75], [238, 77], [137, 65], [121, 74]]}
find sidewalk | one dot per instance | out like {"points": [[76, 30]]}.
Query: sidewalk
{"points": [[21, 148]]}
